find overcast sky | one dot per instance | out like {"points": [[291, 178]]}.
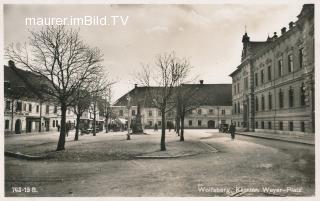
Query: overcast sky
{"points": [[209, 35]]}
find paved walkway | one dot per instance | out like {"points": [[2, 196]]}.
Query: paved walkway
{"points": [[304, 139]]}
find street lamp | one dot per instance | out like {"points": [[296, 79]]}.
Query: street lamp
{"points": [[129, 119]]}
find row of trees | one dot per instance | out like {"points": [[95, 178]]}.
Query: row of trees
{"points": [[166, 82], [71, 72]]}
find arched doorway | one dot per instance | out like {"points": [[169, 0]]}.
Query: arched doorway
{"points": [[17, 127], [211, 124]]}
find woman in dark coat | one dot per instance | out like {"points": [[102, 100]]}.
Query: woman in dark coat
{"points": [[232, 130]]}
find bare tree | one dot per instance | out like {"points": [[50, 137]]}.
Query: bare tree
{"points": [[63, 59], [161, 80], [104, 106]]}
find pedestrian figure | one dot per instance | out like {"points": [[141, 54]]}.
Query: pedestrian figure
{"points": [[232, 130], [58, 126], [156, 127], [67, 129]]}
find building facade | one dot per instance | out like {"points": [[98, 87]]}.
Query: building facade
{"points": [[26, 112], [273, 87], [214, 107]]}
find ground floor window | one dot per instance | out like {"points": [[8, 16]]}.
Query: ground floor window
{"points": [[291, 126], [257, 124], [302, 126], [199, 122], [159, 123], [262, 124], [53, 123], [6, 123], [269, 125], [150, 123], [190, 122], [280, 125]]}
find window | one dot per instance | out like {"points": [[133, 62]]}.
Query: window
{"points": [[150, 113], [47, 110], [37, 109], [238, 108], [302, 95], [238, 87], [291, 126], [246, 83], [301, 57], [262, 102], [280, 67], [24, 107], [257, 124], [199, 111], [280, 99], [269, 73], [256, 79], [190, 122], [280, 125], [302, 126], [210, 111], [133, 112], [55, 110], [262, 124], [30, 107], [223, 112], [8, 104], [269, 125], [6, 124], [290, 97], [199, 122], [235, 108], [257, 104], [18, 106], [270, 101], [53, 123], [120, 112], [159, 113], [234, 89], [262, 76], [290, 63], [150, 123], [159, 123]]}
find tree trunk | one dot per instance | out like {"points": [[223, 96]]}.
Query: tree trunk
{"points": [[107, 128], [178, 125], [76, 137], [94, 119], [163, 130], [40, 122], [182, 128], [62, 137]]}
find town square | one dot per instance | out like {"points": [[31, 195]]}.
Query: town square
{"points": [[206, 101]]}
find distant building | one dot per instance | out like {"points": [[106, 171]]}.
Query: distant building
{"points": [[273, 87], [214, 106]]}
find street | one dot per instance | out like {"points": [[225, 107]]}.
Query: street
{"points": [[106, 165]]}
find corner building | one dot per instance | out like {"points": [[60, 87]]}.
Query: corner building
{"points": [[273, 87]]}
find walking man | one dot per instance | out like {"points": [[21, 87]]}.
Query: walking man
{"points": [[232, 130]]}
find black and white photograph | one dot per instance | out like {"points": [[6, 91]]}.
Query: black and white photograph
{"points": [[154, 99]]}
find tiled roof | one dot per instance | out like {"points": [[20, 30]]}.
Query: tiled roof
{"points": [[207, 94]]}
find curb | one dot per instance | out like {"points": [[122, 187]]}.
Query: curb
{"points": [[19, 155], [279, 139], [164, 157]]}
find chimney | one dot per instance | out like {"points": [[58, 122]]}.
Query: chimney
{"points": [[11, 63], [201, 81], [275, 35], [283, 30], [291, 25], [135, 85]]}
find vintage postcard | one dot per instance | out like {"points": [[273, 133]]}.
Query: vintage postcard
{"points": [[159, 99]]}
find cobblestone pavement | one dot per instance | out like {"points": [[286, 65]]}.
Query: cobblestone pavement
{"points": [[105, 165]]}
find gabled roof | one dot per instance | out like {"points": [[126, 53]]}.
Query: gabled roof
{"points": [[23, 84], [207, 94]]}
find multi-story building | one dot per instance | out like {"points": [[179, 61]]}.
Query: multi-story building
{"points": [[213, 107], [273, 87], [27, 111]]}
